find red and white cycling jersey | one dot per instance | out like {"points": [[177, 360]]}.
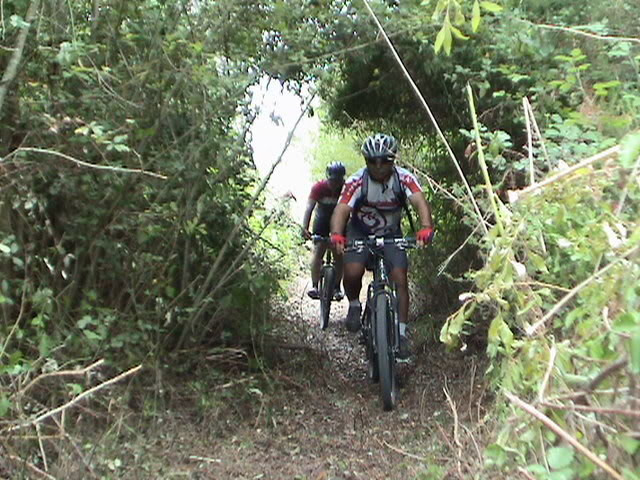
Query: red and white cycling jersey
{"points": [[380, 213]]}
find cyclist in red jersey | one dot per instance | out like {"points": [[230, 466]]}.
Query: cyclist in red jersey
{"points": [[323, 199], [373, 198]]}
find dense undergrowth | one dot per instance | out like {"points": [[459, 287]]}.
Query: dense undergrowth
{"points": [[560, 286]]}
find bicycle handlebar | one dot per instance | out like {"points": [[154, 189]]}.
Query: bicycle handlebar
{"points": [[378, 242], [359, 244]]}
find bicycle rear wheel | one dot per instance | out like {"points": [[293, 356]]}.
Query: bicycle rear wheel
{"points": [[386, 358], [327, 280]]}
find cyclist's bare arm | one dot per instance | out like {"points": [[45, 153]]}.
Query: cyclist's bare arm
{"points": [[311, 204], [339, 221], [423, 208]]}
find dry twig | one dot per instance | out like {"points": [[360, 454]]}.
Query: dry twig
{"points": [[81, 163], [61, 373], [586, 408], [606, 155], [547, 374], [62, 408], [553, 426], [32, 467], [526, 474], [558, 306], [400, 451], [456, 424]]}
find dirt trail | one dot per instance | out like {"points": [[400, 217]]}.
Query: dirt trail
{"points": [[329, 423]]}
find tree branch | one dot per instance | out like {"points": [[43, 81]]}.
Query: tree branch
{"points": [[12, 68], [75, 400], [555, 428], [86, 164], [575, 31]]}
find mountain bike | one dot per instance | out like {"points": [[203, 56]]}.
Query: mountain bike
{"points": [[380, 324], [327, 283]]}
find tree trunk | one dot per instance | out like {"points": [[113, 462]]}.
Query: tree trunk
{"points": [[12, 68]]}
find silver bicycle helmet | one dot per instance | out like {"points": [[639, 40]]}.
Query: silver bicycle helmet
{"points": [[380, 145]]}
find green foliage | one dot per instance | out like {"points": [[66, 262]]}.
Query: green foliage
{"points": [[95, 262], [334, 145], [578, 228]]}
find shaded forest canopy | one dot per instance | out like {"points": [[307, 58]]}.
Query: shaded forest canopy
{"points": [[133, 225]]}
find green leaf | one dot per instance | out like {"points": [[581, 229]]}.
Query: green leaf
{"points": [[84, 321], [564, 474], [18, 22], [450, 332], [630, 150], [440, 39], [606, 85], [458, 33], [538, 262], [634, 347], [560, 457], [75, 388], [448, 39], [475, 16], [496, 455], [495, 328], [118, 147], [458, 17], [627, 322], [91, 335], [629, 444], [491, 7], [5, 405], [629, 475], [537, 469], [442, 4], [44, 345]]}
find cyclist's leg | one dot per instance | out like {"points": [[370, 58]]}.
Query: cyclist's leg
{"points": [[316, 262], [320, 227], [353, 272], [397, 263], [339, 264], [399, 277], [353, 268]]}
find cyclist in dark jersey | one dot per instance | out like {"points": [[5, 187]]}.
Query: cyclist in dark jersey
{"points": [[323, 199]]}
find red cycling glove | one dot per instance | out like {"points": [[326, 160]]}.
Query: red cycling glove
{"points": [[425, 235], [336, 239]]}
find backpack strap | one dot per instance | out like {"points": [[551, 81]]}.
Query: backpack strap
{"points": [[402, 198]]}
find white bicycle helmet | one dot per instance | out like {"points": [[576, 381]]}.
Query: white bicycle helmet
{"points": [[380, 145]]}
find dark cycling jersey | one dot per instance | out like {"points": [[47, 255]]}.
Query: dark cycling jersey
{"points": [[326, 200]]}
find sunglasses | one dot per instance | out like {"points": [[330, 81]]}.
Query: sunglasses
{"points": [[380, 161]]}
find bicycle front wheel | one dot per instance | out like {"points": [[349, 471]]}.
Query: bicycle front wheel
{"points": [[372, 357], [327, 280], [386, 358]]}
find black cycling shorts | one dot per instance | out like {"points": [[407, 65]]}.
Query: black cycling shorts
{"points": [[322, 225], [394, 257]]}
